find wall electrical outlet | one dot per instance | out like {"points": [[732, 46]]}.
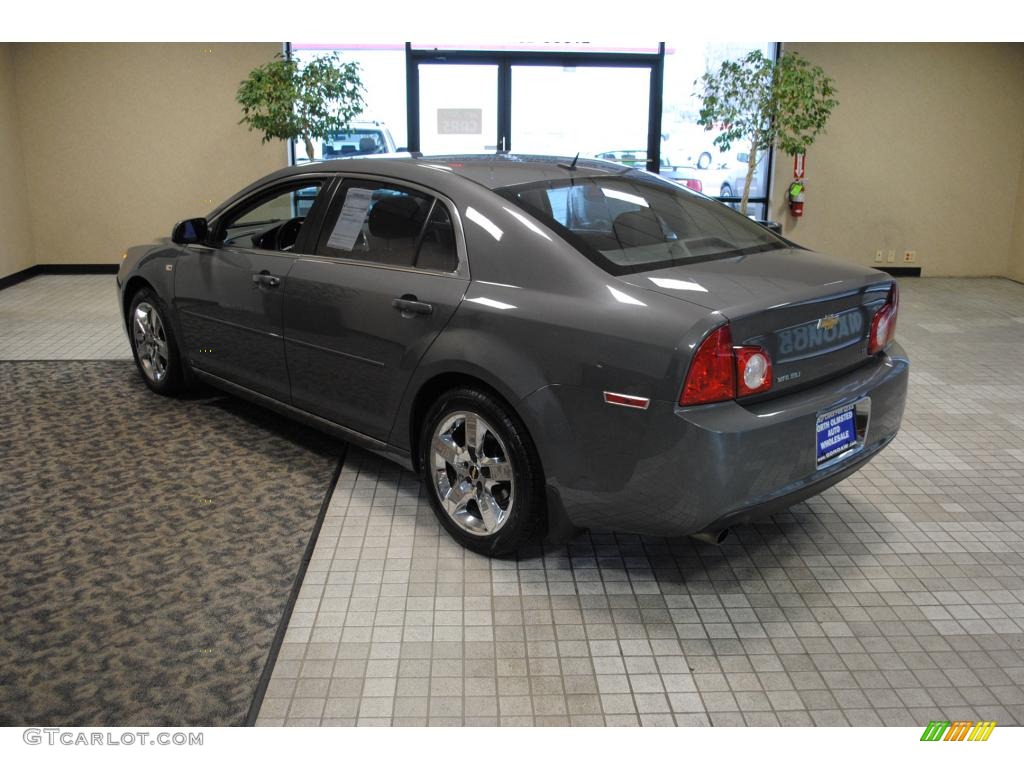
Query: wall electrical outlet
{"points": [[879, 256], [909, 257], [892, 257]]}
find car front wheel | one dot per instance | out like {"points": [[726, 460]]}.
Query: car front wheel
{"points": [[482, 475], [153, 344]]}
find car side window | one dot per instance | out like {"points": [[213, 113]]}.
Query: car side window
{"points": [[389, 224], [271, 222], [437, 246]]}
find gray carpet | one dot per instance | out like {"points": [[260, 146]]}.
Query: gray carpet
{"points": [[148, 546]]}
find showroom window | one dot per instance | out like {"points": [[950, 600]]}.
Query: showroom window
{"points": [[381, 127], [688, 152], [597, 100]]}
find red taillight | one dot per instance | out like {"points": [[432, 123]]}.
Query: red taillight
{"points": [[883, 325], [719, 371], [712, 374], [694, 184]]}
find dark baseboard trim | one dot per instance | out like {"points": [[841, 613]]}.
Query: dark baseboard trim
{"points": [[901, 271], [275, 646], [57, 269]]}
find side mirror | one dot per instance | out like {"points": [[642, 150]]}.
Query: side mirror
{"points": [[402, 149], [190, 231], [743, 157]]}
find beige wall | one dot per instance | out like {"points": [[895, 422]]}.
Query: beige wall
{"points": [[1016, 270], [105, 145], [122, 140], [923, 153], [15, 229]]}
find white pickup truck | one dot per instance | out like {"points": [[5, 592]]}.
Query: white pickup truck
{"points": [[369, 137]]}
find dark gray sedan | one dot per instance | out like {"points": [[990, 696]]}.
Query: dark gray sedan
{"points": [[570, 344]]}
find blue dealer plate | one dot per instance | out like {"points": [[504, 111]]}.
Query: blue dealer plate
{"points": [[836, 432]]}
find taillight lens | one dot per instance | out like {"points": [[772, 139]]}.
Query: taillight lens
{"points": [[712, 374], [719, 371], [883, 326], [753, 371], [694, 184]]}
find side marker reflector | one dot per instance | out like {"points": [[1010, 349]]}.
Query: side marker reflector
{"points": [[627, 401]]}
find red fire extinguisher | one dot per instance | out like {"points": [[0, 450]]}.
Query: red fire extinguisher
{"points": [[795, 195]]}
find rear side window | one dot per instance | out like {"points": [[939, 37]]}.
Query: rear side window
{"points": [[387, 224], [637, 223]]}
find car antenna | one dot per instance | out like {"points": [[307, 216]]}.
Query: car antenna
{"points": [[570, 167]]}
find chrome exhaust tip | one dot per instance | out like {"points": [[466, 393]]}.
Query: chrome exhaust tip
{"points": [[712, 537]]}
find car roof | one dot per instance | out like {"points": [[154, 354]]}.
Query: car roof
{"points": [[491, 171], [488, 171]]}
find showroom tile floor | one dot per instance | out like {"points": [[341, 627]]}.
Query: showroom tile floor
{"points": [[62, 317], [895, 598]]}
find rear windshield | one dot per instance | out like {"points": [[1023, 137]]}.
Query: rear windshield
{"points": [[637, 223]]}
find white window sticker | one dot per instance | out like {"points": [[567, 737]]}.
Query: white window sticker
{"points": [[350, 220]]}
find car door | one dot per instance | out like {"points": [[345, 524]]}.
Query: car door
{"points": [[388, 272], [229, 294]]}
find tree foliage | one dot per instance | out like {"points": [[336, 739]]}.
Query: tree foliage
{"points": [[783, 103], [284, 100]]}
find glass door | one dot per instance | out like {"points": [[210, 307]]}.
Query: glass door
{"points": [[536, 101], [458, 108], [594, 110]]}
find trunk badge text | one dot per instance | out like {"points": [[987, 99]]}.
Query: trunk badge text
{"points": [[828, 331]]}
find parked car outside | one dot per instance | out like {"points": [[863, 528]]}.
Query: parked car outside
{"points": [[727, 174], [545, 342], [637, 158], [365, 137]]}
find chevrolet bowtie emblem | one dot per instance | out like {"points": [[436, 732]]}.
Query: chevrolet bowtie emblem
{"points": [[828, 322]]}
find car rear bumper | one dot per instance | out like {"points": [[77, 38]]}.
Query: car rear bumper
{"points": [[674, 471]]}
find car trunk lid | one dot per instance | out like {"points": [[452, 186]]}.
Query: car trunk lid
{"points": [[811, 313]]}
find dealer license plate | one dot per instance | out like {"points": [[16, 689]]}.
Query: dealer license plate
{"points": [[836, 432]]}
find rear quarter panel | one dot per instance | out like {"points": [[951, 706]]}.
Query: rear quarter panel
{"points": [[538, 314]]}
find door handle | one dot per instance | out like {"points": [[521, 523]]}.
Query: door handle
{"points": [[409, 303], [267, 279]]}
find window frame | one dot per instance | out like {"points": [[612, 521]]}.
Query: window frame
{"points": [[267, 192], [341, 184]]}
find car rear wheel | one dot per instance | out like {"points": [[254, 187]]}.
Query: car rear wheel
{"points": [[726, 191], [481, 471], [153, 344]]}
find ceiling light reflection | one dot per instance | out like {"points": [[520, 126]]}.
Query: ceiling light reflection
{"points": [[486, 224]]}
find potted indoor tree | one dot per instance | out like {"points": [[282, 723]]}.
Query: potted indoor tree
{"points": [[287, 101], [763, 103]]}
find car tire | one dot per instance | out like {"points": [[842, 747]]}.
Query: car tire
{"points": [[487, 491], [704, 161], [725, 191], [154, 345]]}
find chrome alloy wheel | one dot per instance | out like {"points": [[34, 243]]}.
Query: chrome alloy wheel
{"points": [[472, 473], [150, 341]]}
